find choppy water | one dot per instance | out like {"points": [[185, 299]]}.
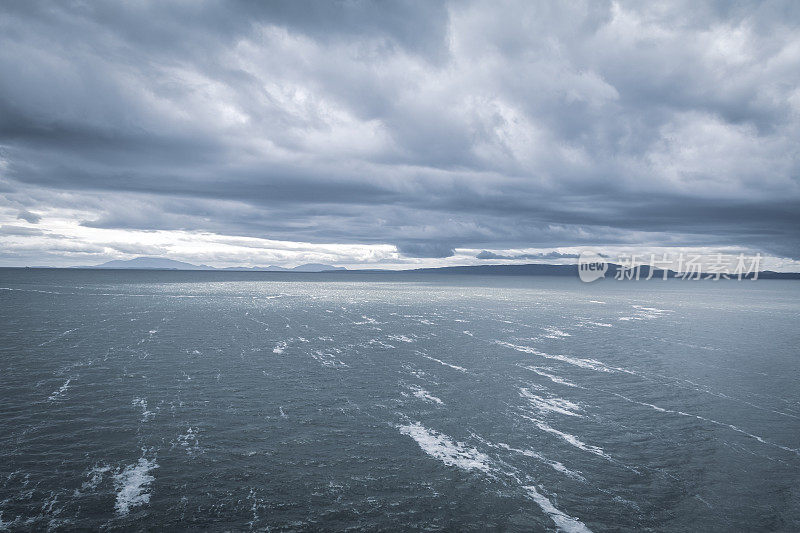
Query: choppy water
{"points": [[191, 400]]}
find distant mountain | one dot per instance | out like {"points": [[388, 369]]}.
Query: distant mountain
{"points": [[538, 269], [531, 269], [270, 268], [308, 267], [159, 263], [316, 267], [150, 263], [503, 270]]}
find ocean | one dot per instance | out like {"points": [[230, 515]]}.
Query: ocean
{"points": [[161, 400]]}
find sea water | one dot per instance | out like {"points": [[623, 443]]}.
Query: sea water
{"points": [[234, 401]]}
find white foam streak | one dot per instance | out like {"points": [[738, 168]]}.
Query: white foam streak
{"points": [[555, 405], [455, 367], [459, 455], [60, 392], [591, 364], [142, 404], [570, 439], [280, 347], [446, 450], [553, 333], [710, 421], [551, 377], [555, 465], [132, 485], [563, 521], [422, 394], [327, 359]]}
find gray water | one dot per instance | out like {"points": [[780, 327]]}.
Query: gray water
{"points": [[235, 401]]}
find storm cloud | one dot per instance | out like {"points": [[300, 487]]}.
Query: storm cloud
{"points": [[417, 127]]}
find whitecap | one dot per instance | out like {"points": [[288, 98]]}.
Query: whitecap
{"points": [[327, 359], [563, 521], [190, 443], [554, 333], [570, 439], [280, 347], [555, 465], [142, 404], [446, 450], [133, 484], [455, 367], [551, 377], [57, 394], [591, 364], [422, 394], [95, 475], [553, 405]]}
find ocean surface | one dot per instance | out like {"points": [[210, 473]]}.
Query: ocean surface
{"points": [[235, 401]]}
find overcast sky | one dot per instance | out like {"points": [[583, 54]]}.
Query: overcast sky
{"points": [[397, 133]]}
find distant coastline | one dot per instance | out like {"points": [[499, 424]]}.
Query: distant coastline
{"points": [[528, 269]]}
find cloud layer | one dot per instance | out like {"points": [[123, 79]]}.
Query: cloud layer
{"points": [[421, 128]]}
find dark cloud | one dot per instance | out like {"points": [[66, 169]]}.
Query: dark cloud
{"points": [[7, 229], [485, 254], [27, 216], [425, 249], [428, 125]]}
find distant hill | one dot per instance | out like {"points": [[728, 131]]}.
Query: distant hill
{"points": [[531, 269], [565, 270], [159, 263], [540, 269], [150, 263], [316, 267]]}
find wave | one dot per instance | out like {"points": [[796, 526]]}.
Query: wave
{"points": [[190, 443], [95, 475], [563, 521], [555, 465], [63, 334], [455, 367], [459, 455], [554, 405], [327, 359], [133, 484], [585, 323], [646, 313], [422, 394], [591, 364], [551, 377], [381, 343], [142, 404], [554, 333], [446, 450], [570, 439], [732, 427], [280, 347], [57, 394]]}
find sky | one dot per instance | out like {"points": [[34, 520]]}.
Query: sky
{"points": [[397, 134]]}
